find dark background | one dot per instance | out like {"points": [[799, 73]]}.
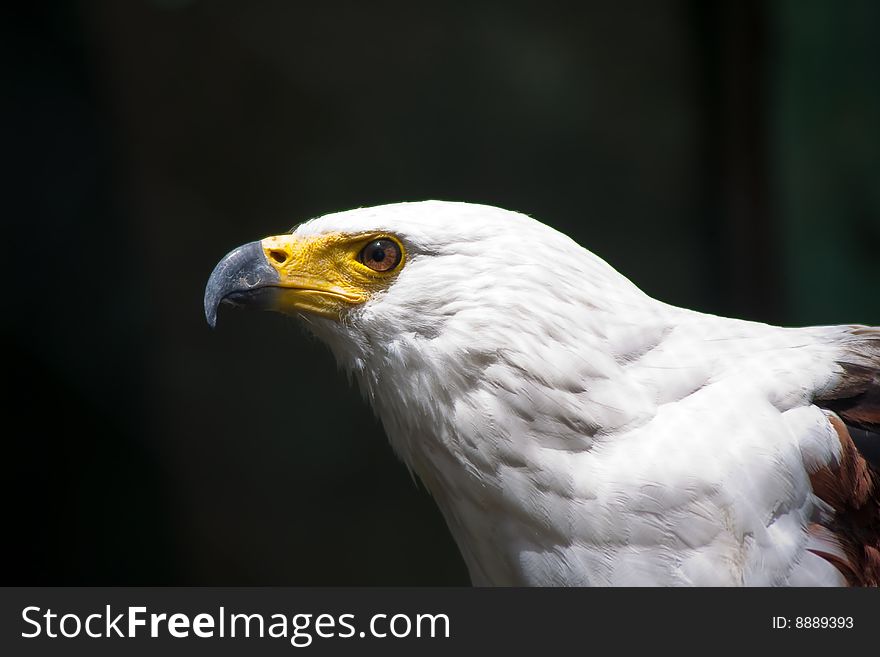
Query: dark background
{"points": [[725, 156]]}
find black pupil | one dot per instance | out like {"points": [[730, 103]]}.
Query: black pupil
{"points": [[378, 253]]}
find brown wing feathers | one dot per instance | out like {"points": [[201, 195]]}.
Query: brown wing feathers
{"points": [[852, 488], [856, 397]]}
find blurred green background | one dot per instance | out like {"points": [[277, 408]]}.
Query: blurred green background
{"points": [[725, 156]]}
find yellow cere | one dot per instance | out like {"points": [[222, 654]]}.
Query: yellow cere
{"points": [[322, 275]]}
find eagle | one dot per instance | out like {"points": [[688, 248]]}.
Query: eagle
{"points": [[572, 430]]}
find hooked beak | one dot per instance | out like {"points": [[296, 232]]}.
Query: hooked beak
{"points": [[243, 277]]}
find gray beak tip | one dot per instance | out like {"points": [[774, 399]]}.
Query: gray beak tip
{"points": [[240, 274], [211, 316]]}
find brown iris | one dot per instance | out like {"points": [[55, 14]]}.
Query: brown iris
{"points": [[380, 255]]}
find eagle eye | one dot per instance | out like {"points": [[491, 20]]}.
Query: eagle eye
{"points": [[380, 255]]}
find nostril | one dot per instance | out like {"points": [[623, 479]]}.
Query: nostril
{"points": [[278, 256]]}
